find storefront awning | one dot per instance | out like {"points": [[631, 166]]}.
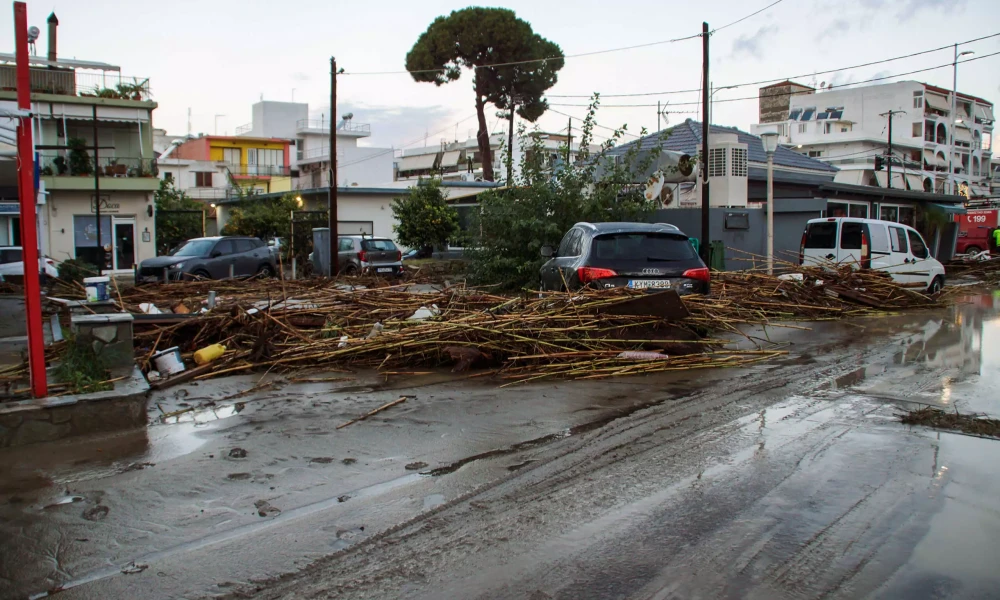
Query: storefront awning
{"points": [[962, 134], [948, 209], [938, 102], [883, 178], [915, 182], [450, 159], [933, 159], [984, 112], [978, 191], [853, 177], [417, 163]]}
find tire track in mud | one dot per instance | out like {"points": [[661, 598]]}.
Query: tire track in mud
{"points": [[692, 416]]}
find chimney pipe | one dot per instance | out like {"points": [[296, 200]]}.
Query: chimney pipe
{"points": [[53, 24]]}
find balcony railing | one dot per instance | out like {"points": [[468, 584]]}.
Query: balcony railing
{"points": [[324, 125], [258, 170], [82, 166], [244, 129], [79, 83]]}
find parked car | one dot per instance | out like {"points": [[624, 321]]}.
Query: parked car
{"points": [[635, 255], [872, 244], [12, 263], [361, 254], [211, 258]]}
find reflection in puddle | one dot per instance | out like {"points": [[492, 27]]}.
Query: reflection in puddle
{"points": [[204, 415]]}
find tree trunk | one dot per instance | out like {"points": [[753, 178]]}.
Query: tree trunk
{"points": [[483, 137], [510, 146]]}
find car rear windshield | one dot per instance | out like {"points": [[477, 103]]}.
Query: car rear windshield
{"points": [[10, 256], [821, 235], [195, 248], [642, 247], [378, 245]]}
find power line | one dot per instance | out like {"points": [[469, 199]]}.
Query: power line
{"points": [[763, 81], [874, 79], [578, 55], [393, 150], [596, 124]]}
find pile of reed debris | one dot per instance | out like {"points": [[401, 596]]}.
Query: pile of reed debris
{"points": [[589, 334]]}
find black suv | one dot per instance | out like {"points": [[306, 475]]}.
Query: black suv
{"points": [[636, 255]]}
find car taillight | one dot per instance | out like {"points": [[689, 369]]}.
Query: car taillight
{"points": [[701, 274], [362, 256], [866, 256], [49, 261], [399, 255], [802, 249], [588, 274]]}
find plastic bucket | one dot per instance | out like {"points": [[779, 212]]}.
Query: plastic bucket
{"points": [[168, 361], [97, 288]]}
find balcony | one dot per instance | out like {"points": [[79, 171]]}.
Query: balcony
{"points": [[67, 82], [323, 126], [242, 171], [83, 166], [244, 129]]}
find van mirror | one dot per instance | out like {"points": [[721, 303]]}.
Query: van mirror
{"points": [[547, 252]]}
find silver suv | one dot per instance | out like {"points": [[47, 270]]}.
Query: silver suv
{"points": [[365, 255]]}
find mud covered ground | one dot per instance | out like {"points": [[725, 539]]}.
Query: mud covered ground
{"points": [[794, 479]]}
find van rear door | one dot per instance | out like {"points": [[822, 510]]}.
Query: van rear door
{"points": [[853, 248], [819, 244]]}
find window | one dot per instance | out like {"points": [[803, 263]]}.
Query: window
{"points": [[802, 127], [203, 179], [739, 162], [836, 209], [11, 255], [897, 236], [928, 131], [850, 236], [570, 245], [193, 248], [300, 149], [644, 248], [85, 237], [917, 246], [918, 130], [821, 235], [224, 248], [889, 213], [345, 245], [231, 156], [907, 215], [808, 113], [378, 245], [716, 162], [879, 238], [243, 245], [794, 115], [827, 127], [918, 101], [815, 153], [845, 128], [858, 211], [168, 176]]}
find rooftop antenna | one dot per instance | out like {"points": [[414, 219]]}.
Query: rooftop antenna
{"points": [[293, 94], [189, 121]]}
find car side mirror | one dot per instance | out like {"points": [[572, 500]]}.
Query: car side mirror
{"points": [[548, 252], [216, 253]]}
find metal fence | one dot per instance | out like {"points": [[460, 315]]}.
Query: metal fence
{"points": [[112, 166], [323, 124], [105, 84]]}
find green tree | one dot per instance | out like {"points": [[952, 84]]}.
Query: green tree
{"points": [[546, 201], [263, 218], [173, 228], [477, 38], [425, 218]]}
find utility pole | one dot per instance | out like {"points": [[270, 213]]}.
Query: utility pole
{"points": [[569, 138], [97, 195], [889, 157], [510, 143], [334, 242], [28, 202], [657, 116], [705, 221]]}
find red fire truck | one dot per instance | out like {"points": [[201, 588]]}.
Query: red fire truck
{"points": [[974, 229]]}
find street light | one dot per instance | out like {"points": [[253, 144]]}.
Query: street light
{"points": [[711, 93], [770, 141], [954, 95]]}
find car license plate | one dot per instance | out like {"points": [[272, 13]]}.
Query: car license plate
{"points": [[647, 284], [384, 270]]}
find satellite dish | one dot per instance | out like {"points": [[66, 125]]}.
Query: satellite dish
{"points": [[33, 33], [822, 84], [654, 186], [666, 196]]}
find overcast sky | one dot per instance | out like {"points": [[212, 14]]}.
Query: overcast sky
{"points": [[217, 57]]}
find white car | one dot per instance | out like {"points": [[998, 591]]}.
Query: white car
{"points": [[12, 263], [869, 243]]}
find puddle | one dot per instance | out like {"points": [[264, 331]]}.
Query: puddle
{"points": [[433, 501], [204, 415], [63, 501]]}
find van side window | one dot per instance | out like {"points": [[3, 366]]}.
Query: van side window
{"points": [[879, 238], [850, 236], [917, 246], [898, 238]]}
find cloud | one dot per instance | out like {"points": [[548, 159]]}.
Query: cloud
{"points": [[398, 125], [752, 45], [911, 8], [837, 28]]}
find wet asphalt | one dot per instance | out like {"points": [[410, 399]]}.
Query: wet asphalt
{"points": [[793, 479]]}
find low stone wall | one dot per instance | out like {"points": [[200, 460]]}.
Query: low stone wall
{"points": [[54, 418]]}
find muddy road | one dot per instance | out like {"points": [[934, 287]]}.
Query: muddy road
{"points": [[793, 479]]}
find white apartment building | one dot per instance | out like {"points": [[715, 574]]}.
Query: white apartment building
{"points": [[357, 165], [848, 128], [462, 161]]}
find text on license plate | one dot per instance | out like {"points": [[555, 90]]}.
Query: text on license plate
{"points": [[642, 284], [384, 270]]}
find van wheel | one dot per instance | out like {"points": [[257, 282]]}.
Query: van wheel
{"points": [[936, 285]]}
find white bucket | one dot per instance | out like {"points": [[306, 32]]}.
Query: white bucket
{"points": [[97, 288], [168, 361]]}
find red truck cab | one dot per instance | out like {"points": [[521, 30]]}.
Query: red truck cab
{"points": [[974, 230]]}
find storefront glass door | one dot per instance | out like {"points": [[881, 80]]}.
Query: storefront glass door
{"points": [[124, 243]]}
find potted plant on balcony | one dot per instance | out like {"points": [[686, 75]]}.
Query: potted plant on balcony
{"points": [[79, 159], [61, 166]]}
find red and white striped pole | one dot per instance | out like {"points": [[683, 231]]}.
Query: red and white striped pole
{"points": [[26, 193]]}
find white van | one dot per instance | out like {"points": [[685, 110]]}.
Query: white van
{"points": [[869, 243]]}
